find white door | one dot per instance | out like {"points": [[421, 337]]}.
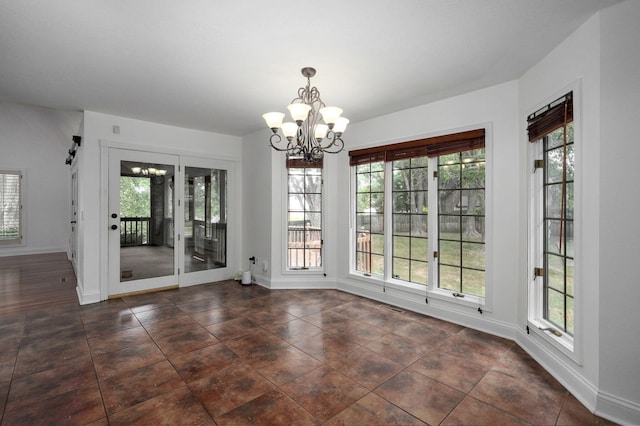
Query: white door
{"points": [[143, 237], [208, 223]]}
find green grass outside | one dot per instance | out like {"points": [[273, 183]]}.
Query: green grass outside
{"points": [[410, 261], [414, 266]]}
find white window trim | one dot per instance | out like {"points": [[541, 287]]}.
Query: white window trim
{"points": [[286, 270], [569, 346], [430, 290]]}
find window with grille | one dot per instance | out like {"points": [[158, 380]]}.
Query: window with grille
{"points": [[410, 238], [304, 215], [558, 228], [369, 229], [461, 236], [11, 207], [551, 133], [435, 192]]}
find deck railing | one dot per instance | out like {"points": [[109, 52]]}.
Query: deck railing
{"points": [[363, 253], [304, 246], [134, 231], [210, 244]]}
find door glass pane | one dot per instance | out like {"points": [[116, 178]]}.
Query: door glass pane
{"points": [[146, 220], [205, 219]]}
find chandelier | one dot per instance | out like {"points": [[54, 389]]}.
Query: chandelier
{"points": [[151, 171], [307, 137]]}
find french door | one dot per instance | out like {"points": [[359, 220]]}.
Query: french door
{"points": [[168, 221], [142, 232], [208, 249]]}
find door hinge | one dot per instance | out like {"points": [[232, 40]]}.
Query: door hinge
{"points": [[178, 237], [435, 254], [435, 174], [537, 164], [178, 203], [178, 271]]}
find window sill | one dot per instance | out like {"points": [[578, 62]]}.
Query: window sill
{"points": [[563, 343], [468, 300], [473, 302], [303, 272], [367, 278]]}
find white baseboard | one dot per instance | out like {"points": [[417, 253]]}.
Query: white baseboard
{"points": [[302, 284], [600, 403], [559, 367], [465, 316], [617, 409], [87, 298]]}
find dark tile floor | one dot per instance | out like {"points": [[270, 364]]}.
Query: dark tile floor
{"points": [[228, 354]]}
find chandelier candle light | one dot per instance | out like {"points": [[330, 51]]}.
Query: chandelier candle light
{"points": [[308, 138]]}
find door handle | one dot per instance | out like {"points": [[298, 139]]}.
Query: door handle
{"points": [[114, 226], [114, 215], [73, 221]]}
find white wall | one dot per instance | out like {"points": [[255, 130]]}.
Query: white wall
{"points": [[36, 140], [619, 339], [265, 190], [575, 61], [98, 128], [496, 109], [257, 200], [602, 57]]}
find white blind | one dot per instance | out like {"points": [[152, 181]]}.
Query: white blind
{"points": [[10, 206]]}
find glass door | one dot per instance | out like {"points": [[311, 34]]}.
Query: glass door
{"points": [[142, 234], [207, 230]]}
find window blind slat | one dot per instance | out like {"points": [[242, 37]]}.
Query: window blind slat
{"points": [[550, 117], [355, 160], [10, 205], [432, 147], [296, 163]]}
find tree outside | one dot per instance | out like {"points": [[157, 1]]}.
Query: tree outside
{"points": [[135, 196], [559, 238], [370, 218], [304, 216]]}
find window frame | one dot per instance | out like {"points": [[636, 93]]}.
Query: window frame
{"points": [[410, 260], [20, 241], [462, 266], [430, 290], [285, 260], [355, 232], [536, 323]]}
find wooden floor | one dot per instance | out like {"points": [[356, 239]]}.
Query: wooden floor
{"points": [[34, 282]]}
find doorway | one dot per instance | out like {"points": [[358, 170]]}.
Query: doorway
{"points": [[168, 221]]}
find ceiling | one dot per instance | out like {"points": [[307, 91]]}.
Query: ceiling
{"points": [[219, 65]]}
